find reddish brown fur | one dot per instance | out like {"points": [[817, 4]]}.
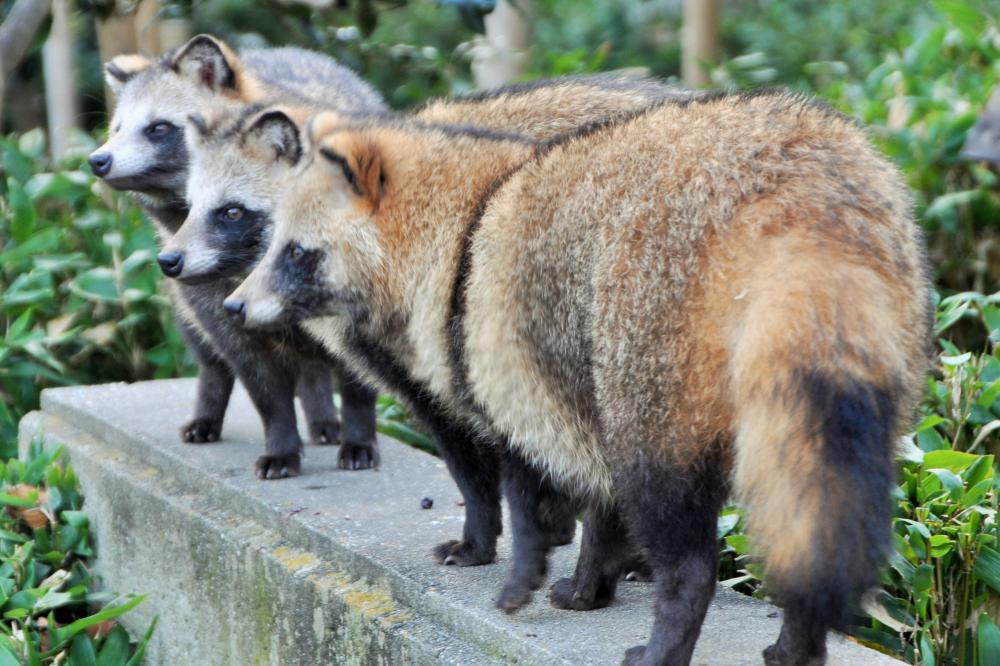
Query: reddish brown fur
{"points": [[648, 301]]}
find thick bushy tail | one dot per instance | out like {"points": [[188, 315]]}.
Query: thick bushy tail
{"points": [[822, 379]]}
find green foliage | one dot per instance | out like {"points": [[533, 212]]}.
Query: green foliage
{"points": [[49, 613], [393, 420], [938, 597], [939, 601], [78, 284], [917, 74]]}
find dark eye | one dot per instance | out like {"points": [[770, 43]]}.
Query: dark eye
{"points": [[230, 214], [159, 128], [296, 252]]}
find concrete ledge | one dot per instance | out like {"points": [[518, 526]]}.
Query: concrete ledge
{"points": [[328, 568]]}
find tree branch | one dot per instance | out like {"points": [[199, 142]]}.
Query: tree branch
{"points": [[17, 33]]}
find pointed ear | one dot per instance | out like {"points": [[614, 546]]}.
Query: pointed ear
{"points": [[208, 62], [361, 162], [275, 134], [321, 125], [120, 69]]}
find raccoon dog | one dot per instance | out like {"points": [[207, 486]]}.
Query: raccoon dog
{"points": [[146, 155], [721, 295], [236, 161]]}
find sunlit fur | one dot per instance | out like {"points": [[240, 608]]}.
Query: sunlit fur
{"points": [[727, 288]]}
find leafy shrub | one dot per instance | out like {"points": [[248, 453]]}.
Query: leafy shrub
{"points": [[939, 601], [78, 284], [918, 90], [50, 616]]}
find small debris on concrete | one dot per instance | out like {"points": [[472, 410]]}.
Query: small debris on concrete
{"points": [[426, 503]]}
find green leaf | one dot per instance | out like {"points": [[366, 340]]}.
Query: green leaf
{"points": [[141, 648], [931, 440], [987, 567], [988, 640], [918, 542], [97, 284], [137, 259], [23, 215], [950, 482], [61, 635], [953, 461], [739, 542], [989, 395], [941, 545], [927, 657], [17, 330], [976, 493], [115, 650], [81, 651], [947, 318], [961, 359], [43, 241], [726, 524], [13, 500], [7, 655], [978, 471], [923, 578], [970, 22], [932, 420]]}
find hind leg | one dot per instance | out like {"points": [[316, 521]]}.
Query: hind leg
{"points": [[541, 518], [314, 387], [605, 552], [802, 641], [672, 514]]}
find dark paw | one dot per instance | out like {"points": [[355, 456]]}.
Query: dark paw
{"points": [[633, 656], [324, 432], [776, 655], [358, 456], [514, 595], [277, 467], [564, 594], [463, 554], [199, 431]]}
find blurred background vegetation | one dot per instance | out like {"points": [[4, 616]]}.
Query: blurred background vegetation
{"points": [[79, 298]]}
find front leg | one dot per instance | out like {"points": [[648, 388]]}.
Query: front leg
{"points": [[315, 389], [359, 448], [271, 384], [215, 385], [541, 517], [475, 466]]}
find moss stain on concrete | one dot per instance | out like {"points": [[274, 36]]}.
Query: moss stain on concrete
{"points": [[293, 560]]}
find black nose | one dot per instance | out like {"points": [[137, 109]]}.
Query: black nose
{"points": [[235, 307], [171, 263], [100, 164]]}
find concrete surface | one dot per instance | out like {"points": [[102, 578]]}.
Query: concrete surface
{"points": [[331, 567]]}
